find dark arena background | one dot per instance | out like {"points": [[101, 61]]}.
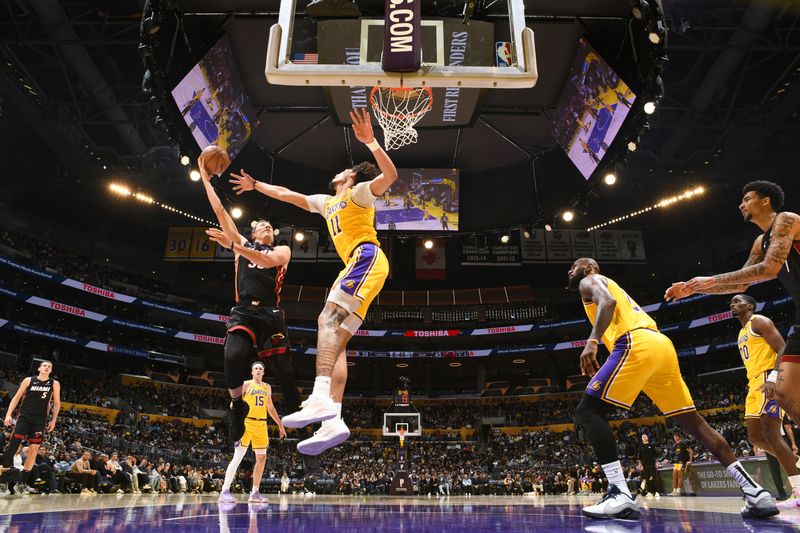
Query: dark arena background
{"points": [[622, 131]]}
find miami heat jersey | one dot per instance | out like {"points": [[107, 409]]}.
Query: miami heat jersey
{"points": [[37, 398], [627, 315], [789, 274], [258, 284], [349, 224], [256, 398], [757, 355]]}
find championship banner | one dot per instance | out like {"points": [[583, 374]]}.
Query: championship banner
{"points": [[479, 251], [325, 249], [533, 247], [431, 263], [632, 245], [558, 246], [582, 244], [306, 250], [179, 241], [618, 246], [202, 249]]}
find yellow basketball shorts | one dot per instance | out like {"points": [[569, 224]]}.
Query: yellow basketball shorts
{"points": [[643, 360], [255, 434], [359, 283], [757, 403]]}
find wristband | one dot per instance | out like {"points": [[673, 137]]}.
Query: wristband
{"points": [[592, 340], [773, 376], [373, 146]]}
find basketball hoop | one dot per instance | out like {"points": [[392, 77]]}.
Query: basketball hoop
{"points": [[398, 109]]}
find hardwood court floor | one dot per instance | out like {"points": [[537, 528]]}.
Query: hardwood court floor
{"points": [[545, 514]]}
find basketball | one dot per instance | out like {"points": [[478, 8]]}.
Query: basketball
{"points": [[215, 159]]}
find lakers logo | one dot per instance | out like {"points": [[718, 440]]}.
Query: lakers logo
{"points": [[772, 409], [349, 283], [596, 385]]}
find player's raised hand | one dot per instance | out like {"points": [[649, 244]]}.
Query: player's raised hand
{"points": [[676, 291], [589, 364], [242, 183], [201, 166], [362, 126], [218, 236]]}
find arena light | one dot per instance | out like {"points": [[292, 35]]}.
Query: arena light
{"points": [[119, 189], [658, 32], [650, 108], [185, 160], [504, 239], [299, 235], [351, 363], [122, 190], [455, 364], [610, 178], [632, 146], [640, 9], [144, 198], [526, 233], [666, 202], [428, 244], [401, 365], [568, 215], [236, 212], [548, 227], [194, 175], [518, 361]]}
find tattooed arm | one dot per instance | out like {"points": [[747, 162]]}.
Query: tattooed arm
{"points": [[681, 289], [784, 233]]}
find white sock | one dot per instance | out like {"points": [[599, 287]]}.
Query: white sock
{"points": [[322, 387], [616, 477], [338, 407], [230, 473], [747, 483], [794, 481]]}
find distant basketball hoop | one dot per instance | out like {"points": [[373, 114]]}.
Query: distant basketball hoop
{"points": [[398, 109]]}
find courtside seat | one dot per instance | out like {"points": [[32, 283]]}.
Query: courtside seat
{"points": [[521, 391]]}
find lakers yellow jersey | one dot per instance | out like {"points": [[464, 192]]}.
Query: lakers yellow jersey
{"points": [[757, 355], [349, 224], [627, 315], [256, 398]]}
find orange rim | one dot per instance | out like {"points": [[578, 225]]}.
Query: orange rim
{"points": [[401, 117]]}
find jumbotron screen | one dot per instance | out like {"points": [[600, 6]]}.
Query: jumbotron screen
{"points": [[422, 199], [592, 108], [213, 101]]}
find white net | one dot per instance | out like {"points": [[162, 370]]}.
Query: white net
{"points": [[398, 110]]}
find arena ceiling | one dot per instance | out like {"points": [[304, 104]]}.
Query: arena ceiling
{"points": [[70, 83]]}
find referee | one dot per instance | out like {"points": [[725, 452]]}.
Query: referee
{"points": [[648, 458]]}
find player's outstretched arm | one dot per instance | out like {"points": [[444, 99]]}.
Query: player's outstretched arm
{"points": [[16, 399], [280, 255], [275, 416], [225, 220], [362, 128], [682, 289], [785, 230], [245, 182], [56, 405]]}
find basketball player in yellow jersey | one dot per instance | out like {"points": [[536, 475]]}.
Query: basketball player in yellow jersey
{"points": [[350, 217], [641, 360], [258, 396], [759, 343]]}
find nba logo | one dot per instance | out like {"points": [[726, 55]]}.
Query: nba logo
{"points": [[503, 54]]}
